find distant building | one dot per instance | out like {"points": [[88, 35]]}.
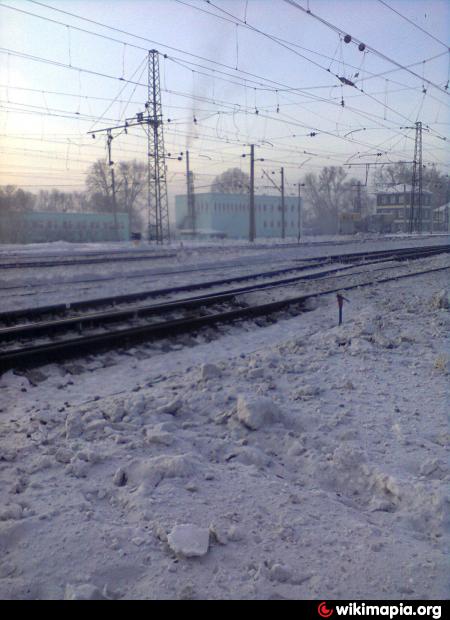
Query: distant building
{"points": [[441, 218], [396, 203], [227, 215], [40, 227]]}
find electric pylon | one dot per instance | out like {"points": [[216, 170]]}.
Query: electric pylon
{"points": [[158, 205], [415, 215], [151, 120]]}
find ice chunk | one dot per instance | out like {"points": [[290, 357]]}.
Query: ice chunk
{"points": [[189, 540]]}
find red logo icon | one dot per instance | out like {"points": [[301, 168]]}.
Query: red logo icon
{"points": [[324, 611]]}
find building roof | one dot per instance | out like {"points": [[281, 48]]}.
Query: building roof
{"points": [[401, 188], [226, 196], [442, 207]]}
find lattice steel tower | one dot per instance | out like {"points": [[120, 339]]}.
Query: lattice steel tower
{"points": [[158, 205], [415, 215]]}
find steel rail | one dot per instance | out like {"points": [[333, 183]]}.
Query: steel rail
{"points": [[83, 261], [90, 320], [402, 254], [191, 270], [35, 355]]}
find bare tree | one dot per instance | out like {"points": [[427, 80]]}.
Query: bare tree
{"points": [[232, 181], [13, 199], [130, 184], [329, 194]]}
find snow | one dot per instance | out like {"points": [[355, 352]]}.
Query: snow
{"points": [[189, 540], [297, 460]]}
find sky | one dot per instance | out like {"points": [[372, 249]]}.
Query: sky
{"points": [[232, 73]]}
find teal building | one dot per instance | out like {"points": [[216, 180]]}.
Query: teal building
{"points": [[227, 216], [41, 227]]}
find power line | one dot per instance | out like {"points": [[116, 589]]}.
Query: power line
{"points": [[340, 32], [124, 43], [342, 79], [234, 69], [153, 42], [414, 24]]}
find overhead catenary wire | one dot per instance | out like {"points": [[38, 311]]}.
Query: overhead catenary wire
{"points": [[414, 24], [153, 42], [232, 108], [109, 38], [338, 30]]}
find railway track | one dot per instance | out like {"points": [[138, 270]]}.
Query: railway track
{"points": [[9, 318], [101, 331], [393, 254], [83, 260]]}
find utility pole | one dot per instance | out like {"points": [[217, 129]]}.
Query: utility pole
{"points": [[281, 190], [283, 222], [415, 216], [405, 209], [252, 226], [151, 121], [358, 198], [300, 222], [190, 196], [113, 184], [252, 219]]}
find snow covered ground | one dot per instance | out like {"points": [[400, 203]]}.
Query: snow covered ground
{"points": [[308, 460]]}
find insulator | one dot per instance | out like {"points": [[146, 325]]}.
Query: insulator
{"points": [[361, 47], [347, 38]]}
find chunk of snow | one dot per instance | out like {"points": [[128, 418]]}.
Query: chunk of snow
{"points": [[189, 540], [210, 371], [255, 412]]}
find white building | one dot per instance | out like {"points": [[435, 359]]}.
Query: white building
{"points": [[227, 215]]}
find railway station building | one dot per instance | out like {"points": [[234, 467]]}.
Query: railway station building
{"points": [[394, 205], [227, 216]]}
